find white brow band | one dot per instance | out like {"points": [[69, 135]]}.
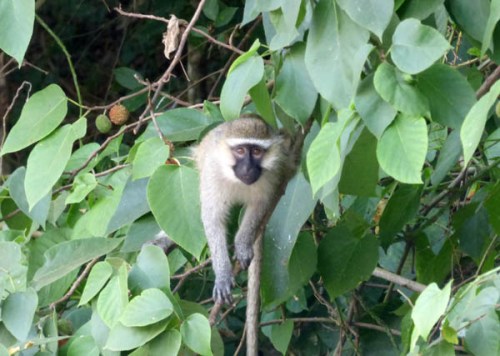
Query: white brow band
{"points": [[264, 143]]}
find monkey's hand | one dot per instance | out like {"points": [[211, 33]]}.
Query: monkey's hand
{"points": [[222, 290], [244, 254]]}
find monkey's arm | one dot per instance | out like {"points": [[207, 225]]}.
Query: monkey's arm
{"points": [[214, 215], [252, 220]]}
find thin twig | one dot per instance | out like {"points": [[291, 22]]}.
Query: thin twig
{"points": [[488, 83], [75, 285], [404, 282]]}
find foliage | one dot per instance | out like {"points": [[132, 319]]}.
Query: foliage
{"points": [[388, 234]]}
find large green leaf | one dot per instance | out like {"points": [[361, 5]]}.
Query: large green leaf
{"points": [[262, 101], [473, 125], [83, 345], [374, 15], [151, 269], [284, 20], [336, 51], [360, 170], [393, 87], [482, 336], [63, 258], [299, 272], [447, 108], [113, 298], [416, 47], [123, 338], [43, 112], [245, 76], [196, 334], [448, 156], [346, 257], [18, 311], [471, 16], [179, 125], [97, 278], [280, 335], [420, 9], [429, 307], [16, 27], [402, 149], [40, 211], [295, 92], [133, 204], [82, 185], [490, 26], [401, 208], [376, 113], [151, 154], [174, 201], [292, 211], [12, 270], [148, 308], [48, 158]]}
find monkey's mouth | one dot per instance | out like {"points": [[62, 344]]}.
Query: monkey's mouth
{"points": [[248, 179]]}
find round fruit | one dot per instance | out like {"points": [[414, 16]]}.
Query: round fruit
{"points": [[118, 114], [102, 123]]}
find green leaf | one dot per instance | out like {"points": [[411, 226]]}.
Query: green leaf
{"points": [[245, 56], [63, 258], [299, 272], [492, 205], [43, 112], [402, 149], [151, 269], [473, 125], [429, 307], [151, 154], [196, 334], [323, 156], [490, 26], [140, 232], [18, 310], [346, 258], [472, 230], [360, 171], [48, 158], [133, 204], [113, 298], [97, 278], [39, 213], [474, 26], [262, 102], [336, 51], [237, 84], [482, 336], [374, 15], [448, 157], [80, 156], [295, 92], [284, 20], [174, 200], [420, 9], [292, 211], [416, 47], [447, 108], [166, 344], [393, 88], [376, 113], [123, 338], [12, 270], [16, 27], [179, 125], [148, 308], [82, 186], [83, 345], [280, 335], [400, 209]]}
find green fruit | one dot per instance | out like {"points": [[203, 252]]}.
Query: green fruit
{"points": [[102, 123], [497, 109]]}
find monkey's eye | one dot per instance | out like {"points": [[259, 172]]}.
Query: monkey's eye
{"points": [[257, 152], [240, 151]]}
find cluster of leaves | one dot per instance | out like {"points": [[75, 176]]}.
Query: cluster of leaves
{"points": [[402, 159]]}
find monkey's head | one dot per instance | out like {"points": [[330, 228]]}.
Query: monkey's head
{"points": [[253, 145]]}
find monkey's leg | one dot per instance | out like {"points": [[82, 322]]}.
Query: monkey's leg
{"points": [[214, 221], [247, 232]]}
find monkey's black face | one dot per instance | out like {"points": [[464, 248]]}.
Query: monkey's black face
{"points": [[248, 162]]}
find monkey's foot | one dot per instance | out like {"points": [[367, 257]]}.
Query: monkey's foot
{"points": [[244, 255], [222, 290]]}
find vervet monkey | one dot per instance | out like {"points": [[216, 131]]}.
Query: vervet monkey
{"points": [[240, 162]]}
